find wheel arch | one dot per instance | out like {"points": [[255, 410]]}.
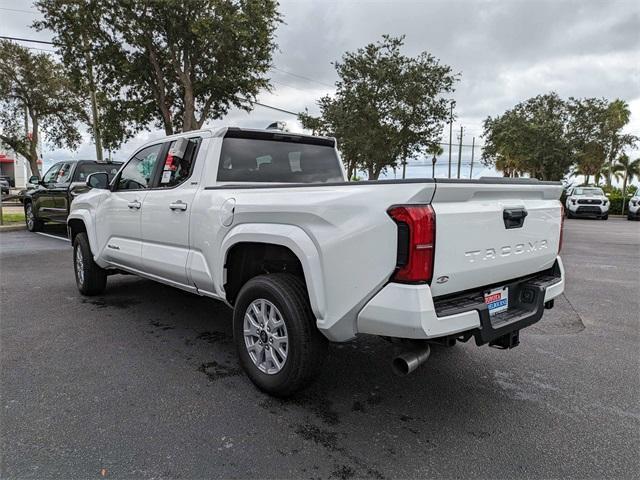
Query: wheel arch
{"points": [[247, 244], [78, 222]]}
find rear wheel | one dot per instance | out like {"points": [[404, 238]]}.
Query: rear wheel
{"points": [[34, 224], [278, 343], [90, 278]]}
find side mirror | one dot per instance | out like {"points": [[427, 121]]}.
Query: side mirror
{"points": [[34, 180], [98, 180], [608, 194]]}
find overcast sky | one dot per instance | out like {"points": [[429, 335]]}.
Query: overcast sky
{"points": [[505, 51]]}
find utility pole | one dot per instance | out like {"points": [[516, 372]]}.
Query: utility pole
{"points": [[460, 151], [450, 136], [473, 149]]}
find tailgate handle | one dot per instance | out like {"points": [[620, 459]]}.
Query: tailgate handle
{"points": [[514, 217]]}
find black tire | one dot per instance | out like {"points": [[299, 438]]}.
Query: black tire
{"points": [[93, 280], [569, 214], [34, 224], [306, 347], [606, 217]]}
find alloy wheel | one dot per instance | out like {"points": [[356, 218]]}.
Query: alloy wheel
{"points": [[265, 336]]}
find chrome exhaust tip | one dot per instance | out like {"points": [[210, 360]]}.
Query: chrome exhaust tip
{"points": [[405, 363]]}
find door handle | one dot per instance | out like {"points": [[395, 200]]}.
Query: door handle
{"points": [[179, 205], [135, 204]]}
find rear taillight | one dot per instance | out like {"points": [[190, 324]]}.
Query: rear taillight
{"points": [[416, 243], [561, 227]]}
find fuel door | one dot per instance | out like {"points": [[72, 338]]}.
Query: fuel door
{"points": [[227, 211]]}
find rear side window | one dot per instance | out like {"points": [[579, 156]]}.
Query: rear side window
{"points": [[257, 160], [179, 162], [83, 170]]}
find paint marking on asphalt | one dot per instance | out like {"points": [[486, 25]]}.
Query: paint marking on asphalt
{"points": [[53, 236]]}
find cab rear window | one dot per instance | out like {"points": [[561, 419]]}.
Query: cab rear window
{"points": [[278, 161]]}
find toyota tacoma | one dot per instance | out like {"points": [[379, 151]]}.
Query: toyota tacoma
{"points": [[266, 222]]}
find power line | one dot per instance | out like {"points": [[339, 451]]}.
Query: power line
{"points": [[273, 108], [25, 40], [302, 77], [19, 10]]}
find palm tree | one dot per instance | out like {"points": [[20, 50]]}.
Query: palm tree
{"points": [[435, 150], [626, 169]]}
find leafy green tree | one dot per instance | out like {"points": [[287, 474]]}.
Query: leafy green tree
{"points": [[80, 36], [595, 129], [531, 138], [387, 107], [183, 62], [617, 117], [628, 170], [35, 97], [173, 63]]}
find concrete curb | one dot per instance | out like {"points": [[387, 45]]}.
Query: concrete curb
{"points": [[12, 228]]}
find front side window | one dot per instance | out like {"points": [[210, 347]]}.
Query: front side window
{"points": [[64, 174], [138, 173], [277, 161], [52, 173]]}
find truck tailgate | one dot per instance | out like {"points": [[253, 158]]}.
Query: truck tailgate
{"points": [[489, 232]]}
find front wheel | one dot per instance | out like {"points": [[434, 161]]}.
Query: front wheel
{"points": [[90, 278], [34, 224], [275, 333], [606, 217]]}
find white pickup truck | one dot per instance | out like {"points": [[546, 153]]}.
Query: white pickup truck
{"points": [[265, 221]]}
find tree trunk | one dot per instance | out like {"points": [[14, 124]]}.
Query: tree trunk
{"points": [[95, 120], [586, 179], [624, 191], [189, 117], [33, 151], [160, 91]]}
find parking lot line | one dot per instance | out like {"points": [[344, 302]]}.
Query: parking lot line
{"points": [[53, 236]]}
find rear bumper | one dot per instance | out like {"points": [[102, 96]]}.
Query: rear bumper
{"points": [[409, 311]]}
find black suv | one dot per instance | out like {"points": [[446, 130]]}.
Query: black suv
{"points": [[51, 199]]}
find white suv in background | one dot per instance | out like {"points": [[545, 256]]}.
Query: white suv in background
{"points": [[634, 207], [587, 202]]}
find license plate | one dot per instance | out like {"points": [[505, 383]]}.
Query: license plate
{"points": [[497, 300]]}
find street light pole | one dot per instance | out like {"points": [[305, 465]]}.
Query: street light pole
{"points": [[473, 149], [460, 152], [450, 135]]}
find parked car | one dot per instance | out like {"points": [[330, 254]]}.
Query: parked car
{"points": [[634, 207], [587, 202], [4, 186], [50, 200], [266, 222]]}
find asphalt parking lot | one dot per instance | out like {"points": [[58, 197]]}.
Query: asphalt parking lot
{"points": [[143, 382]]}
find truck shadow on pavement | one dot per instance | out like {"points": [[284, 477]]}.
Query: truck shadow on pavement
{"points": [[460, 389]]}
